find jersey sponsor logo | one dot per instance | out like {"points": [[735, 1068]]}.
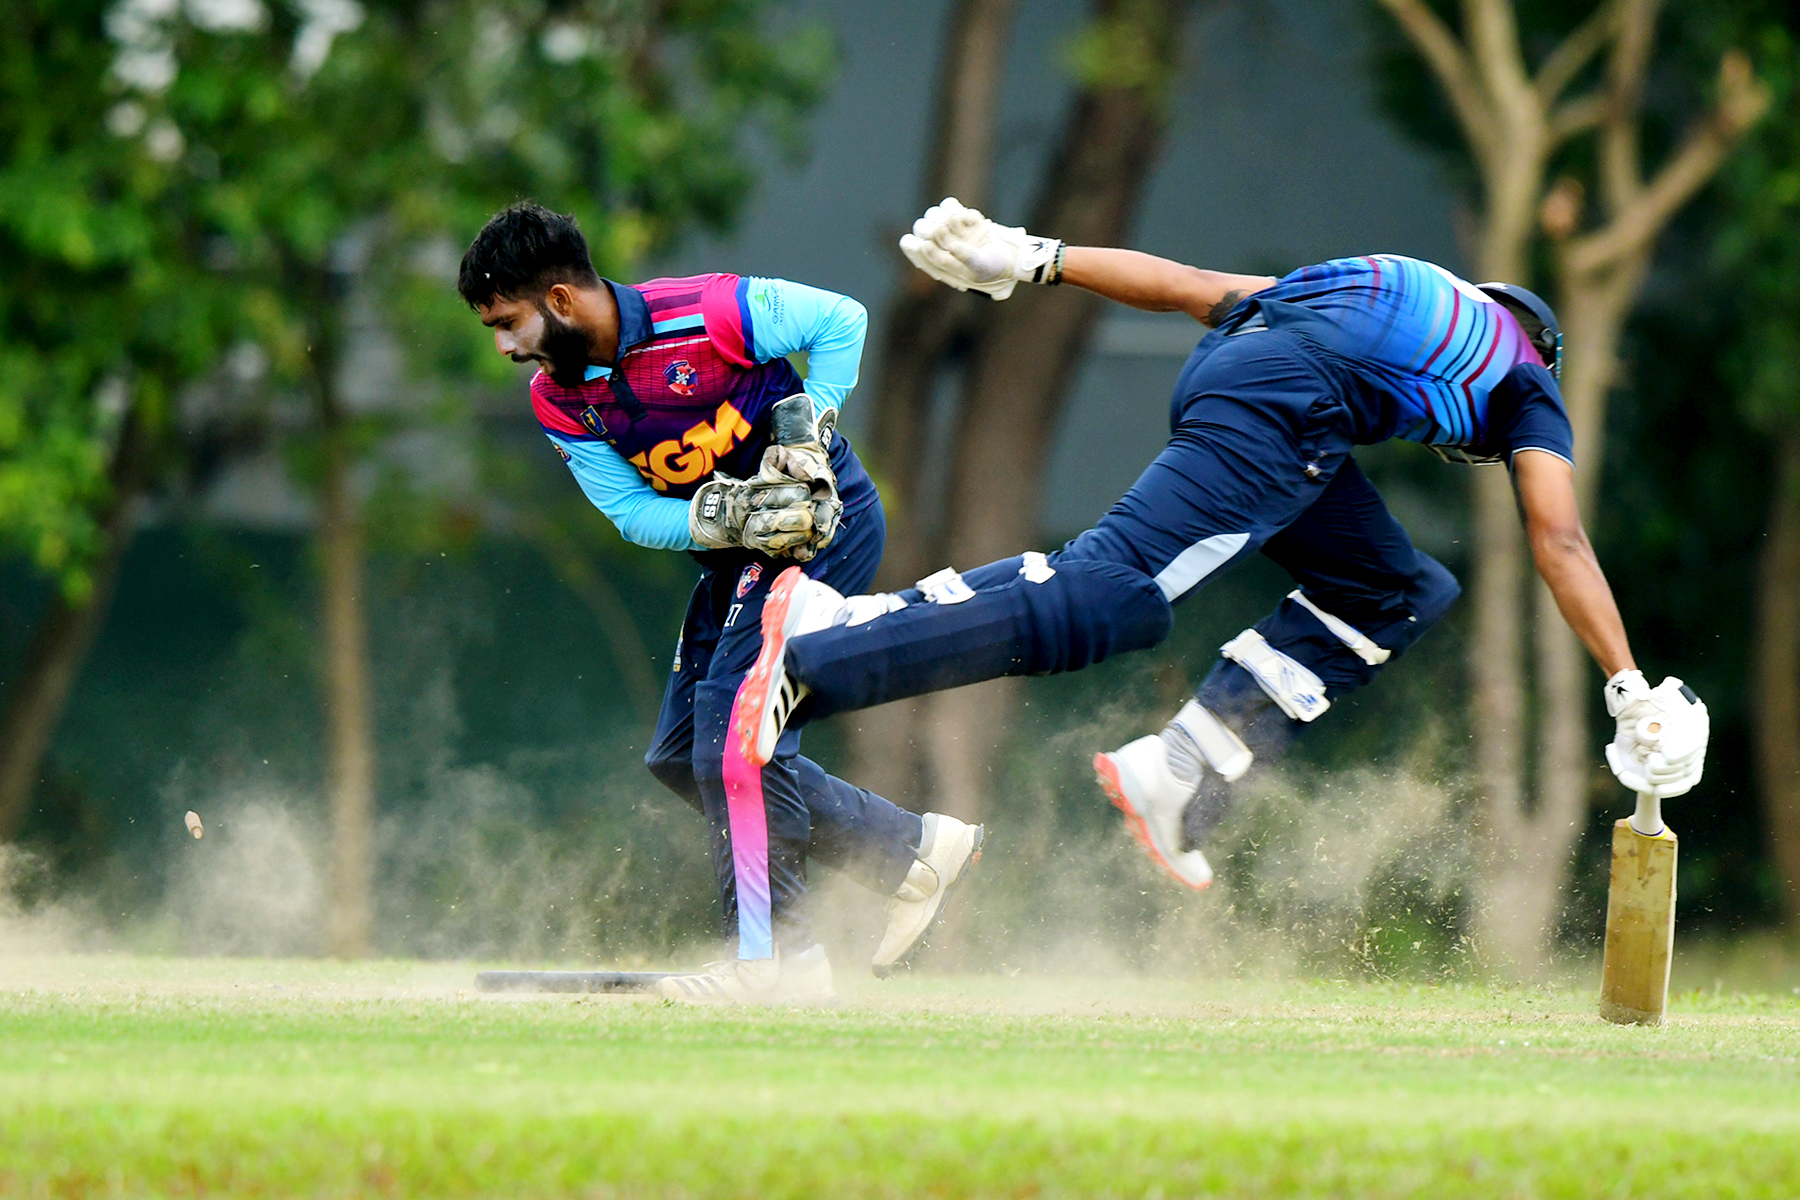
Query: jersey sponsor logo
{"points": [[560, 452], [691, 456], [680, 375], [770, 300], [748, 579]]}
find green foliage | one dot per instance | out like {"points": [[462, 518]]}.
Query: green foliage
{"points": [[421, 120], [178, 178], [265, 1078], [1759, 241], [102, 311]]}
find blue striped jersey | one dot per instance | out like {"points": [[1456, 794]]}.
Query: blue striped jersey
{"points": [[1435, 359]]}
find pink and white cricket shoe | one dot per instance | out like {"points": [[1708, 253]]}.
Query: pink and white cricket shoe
{"points": [[1137, 779], [765, 700]]}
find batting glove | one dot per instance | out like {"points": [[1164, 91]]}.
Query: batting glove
{"points": [[1660, 735], [956, 245]]}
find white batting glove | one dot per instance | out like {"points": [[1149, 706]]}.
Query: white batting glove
{"points": [[955, 244], [1659, 743]]}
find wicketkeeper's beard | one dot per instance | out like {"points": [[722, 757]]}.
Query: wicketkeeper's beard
{"points": [[564, 348]]}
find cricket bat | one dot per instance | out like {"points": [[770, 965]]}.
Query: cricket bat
{"points": [[1640, 918]]}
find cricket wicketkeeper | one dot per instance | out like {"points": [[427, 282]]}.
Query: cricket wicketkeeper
{"points": [[1295, 373], [674, 405]]}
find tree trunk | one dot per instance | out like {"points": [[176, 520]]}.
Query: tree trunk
{"points": [[924, 322], [924, 317], [1775, 673], [1497, 678], [1026, 350], [1511, 121], [37, 697], [350, 743], [1594, 311], [1508, 881], [343, 628]]}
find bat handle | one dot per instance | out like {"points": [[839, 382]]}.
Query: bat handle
{"points": [[1647, 820]]}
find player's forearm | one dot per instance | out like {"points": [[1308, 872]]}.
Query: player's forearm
{"points": [[1158, 284], [614, 486], [1565, 561]]}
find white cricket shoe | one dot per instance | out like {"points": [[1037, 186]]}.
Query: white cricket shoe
{"points": [[947, 848], [796, 605], [803, 978], [1137, 779]]}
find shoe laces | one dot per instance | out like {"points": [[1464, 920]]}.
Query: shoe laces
{"points": [[790, 693]]}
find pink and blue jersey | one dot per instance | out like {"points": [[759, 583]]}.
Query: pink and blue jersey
{"points": [[701, 361], [1432, 358]]}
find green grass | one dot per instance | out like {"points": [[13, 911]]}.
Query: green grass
{"points": [[239, 1078]]}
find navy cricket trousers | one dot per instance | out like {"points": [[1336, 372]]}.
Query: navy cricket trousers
{"points": [[1258, 461], [765, 830]]}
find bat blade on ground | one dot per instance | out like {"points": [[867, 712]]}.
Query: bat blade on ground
{"points": [[1640, 926], [569, 982]]}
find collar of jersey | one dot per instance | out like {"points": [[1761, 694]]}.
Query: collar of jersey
{"points": [[634, 322]]}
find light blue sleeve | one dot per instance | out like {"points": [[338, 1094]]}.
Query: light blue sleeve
{"points": [[786, 317], [614, 485]]}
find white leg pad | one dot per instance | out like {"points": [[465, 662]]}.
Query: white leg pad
{"points": [[945, 587], [860, 610], [1223, 750], [1343, 631], [1289, 683]]}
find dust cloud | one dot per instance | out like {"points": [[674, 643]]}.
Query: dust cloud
{"points": [[1318, 871]]}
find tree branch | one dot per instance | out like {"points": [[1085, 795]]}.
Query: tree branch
{"points": [[1491, 29], [1621, 177], [1575, 117], [1449, 62], [1743, 99], [1575, 52]]}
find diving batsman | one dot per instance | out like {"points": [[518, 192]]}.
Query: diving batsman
{"points": [[1293, 375], [674, 405]]}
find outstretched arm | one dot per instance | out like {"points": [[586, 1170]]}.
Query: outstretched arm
{"points": [[1565, 559], [1659, 741], [955, 244], [1158, 284]]}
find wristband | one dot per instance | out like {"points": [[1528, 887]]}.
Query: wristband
{"points": [[1055, 275]]}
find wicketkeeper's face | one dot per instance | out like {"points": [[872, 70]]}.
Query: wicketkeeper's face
{"points": [[528, 331], [518, 326]]}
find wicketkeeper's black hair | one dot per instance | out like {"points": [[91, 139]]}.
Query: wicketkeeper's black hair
{"points": [[523, 251]]}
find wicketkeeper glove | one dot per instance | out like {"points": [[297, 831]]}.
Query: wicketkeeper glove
{"points": [[790, 508], [1659, 744], [800, 451], [774, 516], [956, 245]]}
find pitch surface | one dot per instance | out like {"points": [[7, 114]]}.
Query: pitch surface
{"points": [[247, 1078]]}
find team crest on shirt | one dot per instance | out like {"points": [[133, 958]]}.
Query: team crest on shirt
{"points": [[681, 375], [590, 416], [748, 579]]}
